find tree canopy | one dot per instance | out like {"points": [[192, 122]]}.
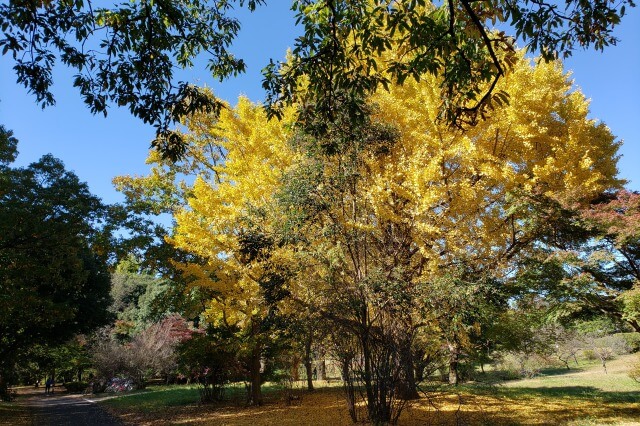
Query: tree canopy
{"points": [[53, 280], [125, 54]]}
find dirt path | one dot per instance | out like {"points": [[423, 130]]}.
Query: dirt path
{"points": [[63, 409]]}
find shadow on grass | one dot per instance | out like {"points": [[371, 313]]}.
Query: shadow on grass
{"points": [[577, 392], [14, 415], [162, 397]]}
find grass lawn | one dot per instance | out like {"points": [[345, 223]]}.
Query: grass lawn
{"points": [[584, 396]]}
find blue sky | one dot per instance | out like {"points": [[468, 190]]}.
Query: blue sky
{"points": [[98, 148]]}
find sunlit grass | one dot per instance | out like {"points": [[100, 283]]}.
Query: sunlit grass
{"points": [[155, 398], [583, 396]]}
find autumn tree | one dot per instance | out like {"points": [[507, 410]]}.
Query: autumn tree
{"points": [[339, 52], [614, 260], [402, 200], [356, 221], [237, 162]]}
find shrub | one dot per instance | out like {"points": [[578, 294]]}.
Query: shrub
{"points": [[616, 342], [632, 340], [634, 372], [521, 364], [210, 363], [76, 387], [150, 353], [589, 355]]}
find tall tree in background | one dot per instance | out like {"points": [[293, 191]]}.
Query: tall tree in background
{"points": [[125, 53], [53, 278]]}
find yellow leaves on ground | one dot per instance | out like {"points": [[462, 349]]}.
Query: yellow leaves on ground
{"points": [[574, 398]]}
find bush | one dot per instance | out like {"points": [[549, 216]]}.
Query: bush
{"points": [[210, 363], [615, 342], [634, 372], [632, 340], [589, 355], [76, 387], [522, 365]]}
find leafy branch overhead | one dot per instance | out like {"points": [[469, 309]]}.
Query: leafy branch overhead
{"points": [[126, 54], [351, 48]]}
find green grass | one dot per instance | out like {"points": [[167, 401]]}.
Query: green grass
{"points": [[163, 397], [155, 398], [587, 381]]}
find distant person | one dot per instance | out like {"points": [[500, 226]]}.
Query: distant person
{"points": [[47, 385]]}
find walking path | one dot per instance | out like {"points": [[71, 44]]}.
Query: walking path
{"points": [[60, 409]]}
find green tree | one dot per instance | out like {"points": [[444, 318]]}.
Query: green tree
{"points": [[135, 293], [590, 262], [124, 53], [53, 282]]}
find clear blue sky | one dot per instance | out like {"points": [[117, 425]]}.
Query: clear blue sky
{"points": [[98, 148]]}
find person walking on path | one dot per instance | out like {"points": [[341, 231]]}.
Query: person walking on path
{"points": [[47, 386]]}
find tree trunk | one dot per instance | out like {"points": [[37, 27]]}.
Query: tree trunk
{"points": [[453, 363], [322, 369], [295, 368], [4, 388], [256, 391], [349, 389], [407, 387], [308, 362]]}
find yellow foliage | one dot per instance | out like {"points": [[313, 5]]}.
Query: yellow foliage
{"points": [[460, 196], [461, 189], [255, 157]]}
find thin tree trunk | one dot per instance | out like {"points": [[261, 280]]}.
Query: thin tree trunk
{"points": [[308, 361], [322, 369], [255, 366], [256, 391]]}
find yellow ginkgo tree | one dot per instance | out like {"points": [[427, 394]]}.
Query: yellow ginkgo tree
{"points": [[354, 221], [406, 199], [221, 196]]}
